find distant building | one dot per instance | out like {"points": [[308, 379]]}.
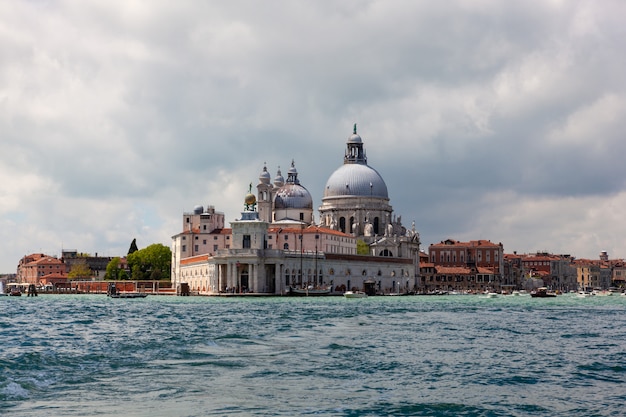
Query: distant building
{"points": [[276, 246], [33, 268], [476, 265]]}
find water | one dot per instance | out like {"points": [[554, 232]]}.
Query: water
{"points": [[88, 355]]}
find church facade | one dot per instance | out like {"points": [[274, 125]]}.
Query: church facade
{"points": [[276, 247]]}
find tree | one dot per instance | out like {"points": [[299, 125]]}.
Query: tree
{"points": [[79, 269], [151, 262], [133, 247], [113, 269], [362, 248]]}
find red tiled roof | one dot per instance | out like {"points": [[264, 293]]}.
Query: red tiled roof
{"points": [[456, 270], [194, 259], [471, 244]]}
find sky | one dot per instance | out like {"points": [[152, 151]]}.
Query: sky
{"points": [[499, 120]]}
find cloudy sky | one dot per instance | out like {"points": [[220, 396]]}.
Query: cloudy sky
{"points": [[500, 120]]}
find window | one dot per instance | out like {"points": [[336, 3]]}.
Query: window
{"points": [[204, 241], [214, 248], [246, 242], [184, 248], [286, 246], [195, 248]]}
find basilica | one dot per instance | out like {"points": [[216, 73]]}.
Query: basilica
{"points": [[277, 247]]}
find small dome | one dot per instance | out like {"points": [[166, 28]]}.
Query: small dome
{"points": [[198, 209], [293, 196], [354, 138], [264, 176], [279, 180]]}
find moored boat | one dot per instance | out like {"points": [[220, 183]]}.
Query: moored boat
{"points": [[542, 293], [129, 295], [309, 291], [354, 294], [114, 292]]}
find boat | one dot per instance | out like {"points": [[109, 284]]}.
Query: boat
{"points": [[114, 292], [129, 295], [309, 291], [542, 292], [354, 294], [491, 294], [584, 294]]}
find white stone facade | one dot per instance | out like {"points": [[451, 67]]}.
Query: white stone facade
{"points": [[276, 245]]}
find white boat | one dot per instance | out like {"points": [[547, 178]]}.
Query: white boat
{"points": [[491, 295], [584, 294], [354, 294]]}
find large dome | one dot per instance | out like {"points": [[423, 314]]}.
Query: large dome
{"points": [[356, 180]]}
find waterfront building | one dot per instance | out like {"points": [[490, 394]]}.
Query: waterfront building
{"points": [[563, 273], [96, 264], [476, 265], [618, 274], [513, 272], [587, 274], [33, 268], [276, 245]]}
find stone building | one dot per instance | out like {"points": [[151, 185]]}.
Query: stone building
{"points": [[276, 246]]}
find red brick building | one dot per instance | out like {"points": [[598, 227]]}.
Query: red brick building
{"points": [[476, 265], [32, 268]]}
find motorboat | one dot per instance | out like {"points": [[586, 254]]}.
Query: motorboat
{"points": [[354, 294], [491, 294], [584, 294], [542, 292]]}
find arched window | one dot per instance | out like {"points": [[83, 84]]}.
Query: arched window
{"points": [[286, 246], [342, 224]]}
